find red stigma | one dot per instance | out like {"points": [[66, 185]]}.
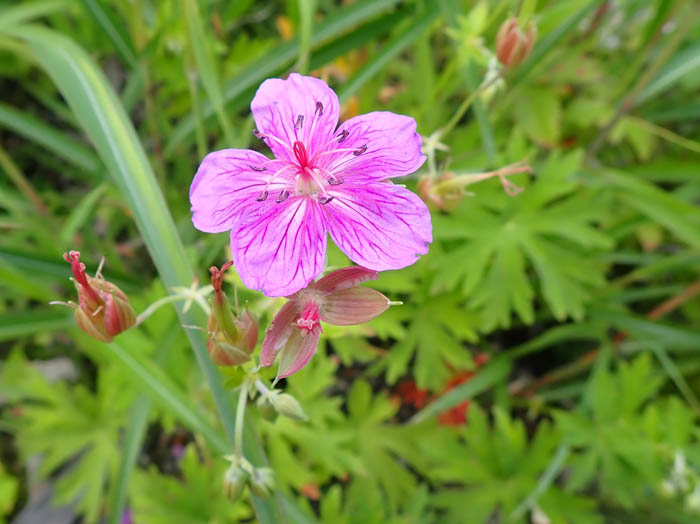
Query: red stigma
{"points": [[79, 272], [300, 153]]}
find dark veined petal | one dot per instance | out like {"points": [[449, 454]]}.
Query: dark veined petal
{"points": [[356, 305], [345, 278], [379, 145], [278, 333], [378, 225], [300, 108], [279, 247], [300, 347], [224, 182]]}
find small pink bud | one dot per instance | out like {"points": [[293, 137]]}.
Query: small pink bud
{"points": [[513, 45], [103, 310], [231, 340]]}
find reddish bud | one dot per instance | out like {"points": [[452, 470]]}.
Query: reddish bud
{"points": [[103, 310], [513, 45], [231, 340]]}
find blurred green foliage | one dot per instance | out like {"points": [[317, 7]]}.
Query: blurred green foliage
{"points": [[566, 315]]}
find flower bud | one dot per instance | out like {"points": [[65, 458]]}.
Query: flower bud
{"points": [[513, 45], [287, 406], [103, 310], [262, 482], [266, 409], [439, 195], [235, 480], [232, 339]]}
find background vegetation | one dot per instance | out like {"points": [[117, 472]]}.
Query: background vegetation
{"points": [[544, 366]]}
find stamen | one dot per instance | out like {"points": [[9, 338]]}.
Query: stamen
{"points": [[263, 136], [264, 194], [284, 195], [258, 169], [262, 197], [325, 200], [319, 108], [332, 179], [356, 152], [299, 122], [363, 149], [343, 135]]}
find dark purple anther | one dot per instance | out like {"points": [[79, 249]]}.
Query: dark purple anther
{"points": [[325, 200], [343, 135], [319, 108], [258, 134], [299, 122], [258, 169], [284, 195], [263, 196], [335, 181], [360, 151]]}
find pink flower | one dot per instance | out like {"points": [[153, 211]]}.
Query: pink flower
{"points": [[322, 180], [335, 299]]}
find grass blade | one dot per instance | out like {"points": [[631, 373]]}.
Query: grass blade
{"points": [[388, 53], [492, 373], [55, 141], [280, 57], [114, 31], [13, 325], [206, 66], [103, 118]]}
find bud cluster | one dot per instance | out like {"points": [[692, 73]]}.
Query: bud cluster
{"points": [[241, 473]]}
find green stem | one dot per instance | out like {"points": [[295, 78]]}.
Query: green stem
{"points": [[461, 111], [240, 413]]}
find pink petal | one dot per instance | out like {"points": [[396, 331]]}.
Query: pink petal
{"points": [[393, 147], [378, 225], [356, 305], [298, 351], [278, 333], [279, 103], [279, 248], [345, 278], [222, 183]]}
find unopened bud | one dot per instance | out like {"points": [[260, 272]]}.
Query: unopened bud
{"points": [[266, 409], [513, 45], [103, 310], [232, 339], [235, 480], [287, 406], [262, 482]]}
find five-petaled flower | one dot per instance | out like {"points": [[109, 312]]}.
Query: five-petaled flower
{"points": [[336, 299], [322, 180]]}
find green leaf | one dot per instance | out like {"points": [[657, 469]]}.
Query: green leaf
{"points": [[538, 112]]}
